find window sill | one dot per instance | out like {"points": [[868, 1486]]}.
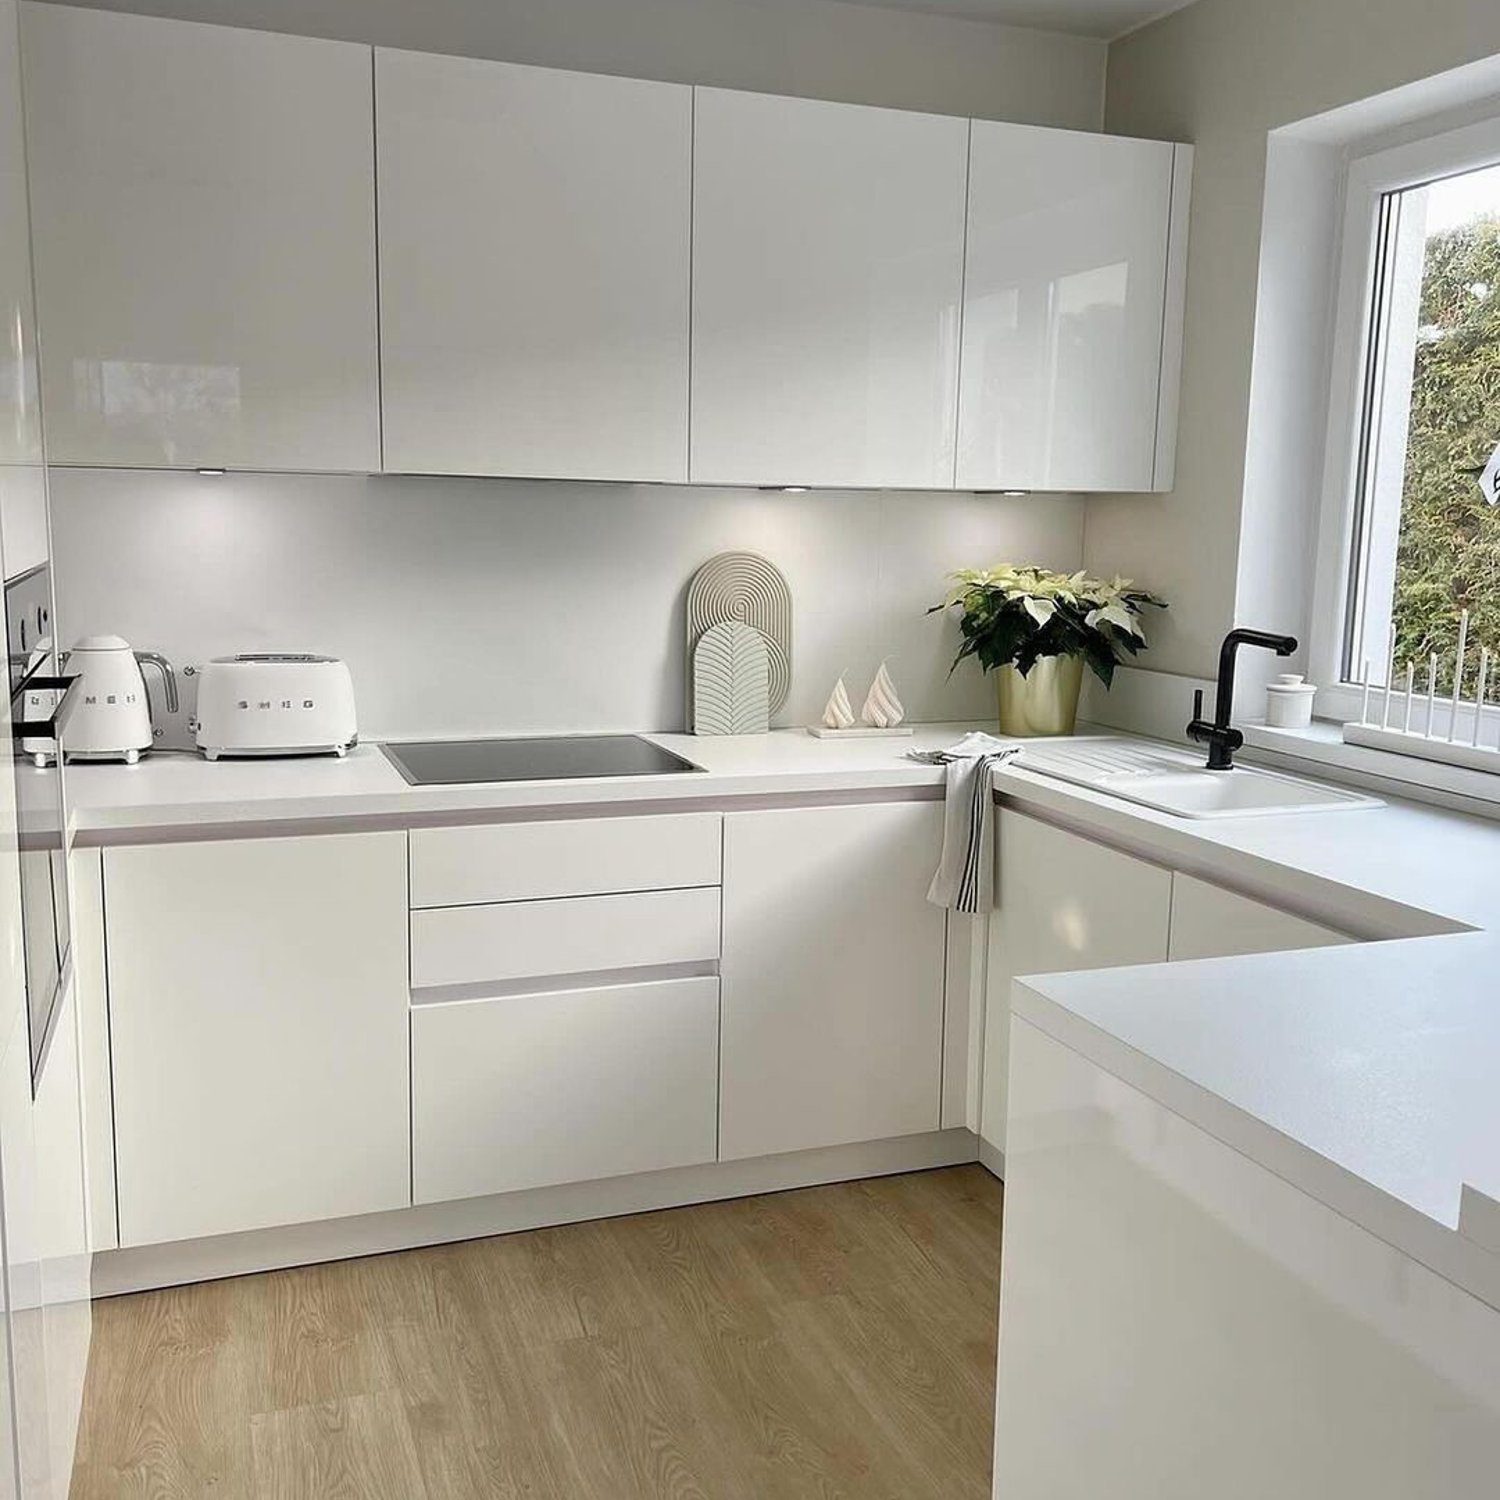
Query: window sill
{"points": [[1322, 744]]}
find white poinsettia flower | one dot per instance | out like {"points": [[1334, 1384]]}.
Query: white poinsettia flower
{"points": [[1118, 616], [1040, 610]]}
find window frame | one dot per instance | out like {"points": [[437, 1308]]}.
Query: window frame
{"points": [[1368, 178]]}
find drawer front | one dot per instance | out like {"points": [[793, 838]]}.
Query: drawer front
{"points": [[574, 857], [531, 1090], [581, 935]]}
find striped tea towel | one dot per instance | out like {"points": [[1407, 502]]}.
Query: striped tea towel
{"points": [[965, 880]]}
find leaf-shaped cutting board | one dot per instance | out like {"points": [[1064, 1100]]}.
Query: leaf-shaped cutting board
{"points": [[731, 680]]}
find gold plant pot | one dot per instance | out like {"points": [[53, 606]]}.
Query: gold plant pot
{"points": [[1045, 700]]}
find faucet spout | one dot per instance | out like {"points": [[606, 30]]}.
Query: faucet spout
{"points": [[1220, 736]]}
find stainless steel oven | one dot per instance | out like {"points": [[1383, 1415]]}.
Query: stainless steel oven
{"points": [[36, 697]]}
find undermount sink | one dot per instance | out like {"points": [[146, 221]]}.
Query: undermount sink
{"points": [[1174, 781]]}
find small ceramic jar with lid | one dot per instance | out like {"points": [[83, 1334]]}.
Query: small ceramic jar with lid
{"points": [[1289, 702]]}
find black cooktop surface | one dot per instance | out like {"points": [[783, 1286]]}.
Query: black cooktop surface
{"points": [[559, 758]]}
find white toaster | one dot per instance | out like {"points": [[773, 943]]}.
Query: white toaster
{"points": [[275, 704]]}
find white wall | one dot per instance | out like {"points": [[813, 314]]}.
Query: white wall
{"points": [[1222, 74], [823, 49], [506, 606]]}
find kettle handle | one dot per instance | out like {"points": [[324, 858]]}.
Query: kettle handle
{"points": [[168, 677]]}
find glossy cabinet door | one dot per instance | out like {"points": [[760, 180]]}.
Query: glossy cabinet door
{"points": [[67, 1317], [258, 1027], [827, 278], [204, 225], [1210, 922], [1063, 903], [831, 977], [25, 1446], [20, 410], [534, 244], [1178, 1322], [1072, 310], [564, 1085], [23, 479], [30, 1464]]}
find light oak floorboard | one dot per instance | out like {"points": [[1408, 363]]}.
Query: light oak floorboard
{"points": [[828, 1342]]}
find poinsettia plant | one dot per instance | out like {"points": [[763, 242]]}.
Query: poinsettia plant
{"points": [[1013, 616]]}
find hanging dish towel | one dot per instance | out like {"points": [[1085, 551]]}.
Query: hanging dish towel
{"points": [[965, 880]]}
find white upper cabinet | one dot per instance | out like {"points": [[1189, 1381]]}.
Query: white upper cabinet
{"points": [[534, 270], [827, 278], [204, 226], [20, 413], [1072, 310]]}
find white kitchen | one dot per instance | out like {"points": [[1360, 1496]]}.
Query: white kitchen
{"points": [[755, 749]]}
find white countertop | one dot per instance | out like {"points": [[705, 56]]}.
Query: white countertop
{"points": [[1368, 1075], [174, 794]]}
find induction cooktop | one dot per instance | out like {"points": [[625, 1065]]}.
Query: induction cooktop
{"points": [[554, 758]]}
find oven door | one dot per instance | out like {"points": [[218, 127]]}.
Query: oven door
{"points": [[38, 700]]}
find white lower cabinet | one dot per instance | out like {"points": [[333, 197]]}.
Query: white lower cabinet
{"points": [[525, 1091], [1178, 1322], [258, 1027], [63, 1238], [533, 861], [1062, 903], [832, 977], [1210, 922], [519, 940], [24, 1256]]}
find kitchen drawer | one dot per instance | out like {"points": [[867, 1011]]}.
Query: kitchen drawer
{"points": [[530, 1090], [580, 935], [574, 857]]}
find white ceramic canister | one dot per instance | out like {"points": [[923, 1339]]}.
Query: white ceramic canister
{"points": [[1289, 702]]}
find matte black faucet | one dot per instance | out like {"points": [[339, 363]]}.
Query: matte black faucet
{"points": [[1220, 737]]}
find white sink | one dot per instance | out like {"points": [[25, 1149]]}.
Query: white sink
{"points": [[1175, 781]]}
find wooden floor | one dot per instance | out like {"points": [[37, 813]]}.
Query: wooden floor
{"points": [[831, 1341]]}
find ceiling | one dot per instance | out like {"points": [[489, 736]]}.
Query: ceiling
{"points": [[1100, 18]]}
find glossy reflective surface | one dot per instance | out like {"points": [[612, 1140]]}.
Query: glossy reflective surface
{"points": [[45, 1286], [827, 278], [534, 240], [204, 223], [1177, 1321], [40, 816], [450, 762], [1064, 306]]}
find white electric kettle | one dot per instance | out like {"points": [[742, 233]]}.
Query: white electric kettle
{"points": [[110, 717]]}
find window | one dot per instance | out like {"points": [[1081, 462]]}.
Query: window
{"points": [[1413, 479]]}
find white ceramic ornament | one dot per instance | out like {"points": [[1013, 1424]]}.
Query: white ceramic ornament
{"points": [[839, 712], [731, 681], [882, 708]]}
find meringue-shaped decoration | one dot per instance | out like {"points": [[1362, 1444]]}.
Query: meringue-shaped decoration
{"points": [[839, 712], [882, 708]]}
